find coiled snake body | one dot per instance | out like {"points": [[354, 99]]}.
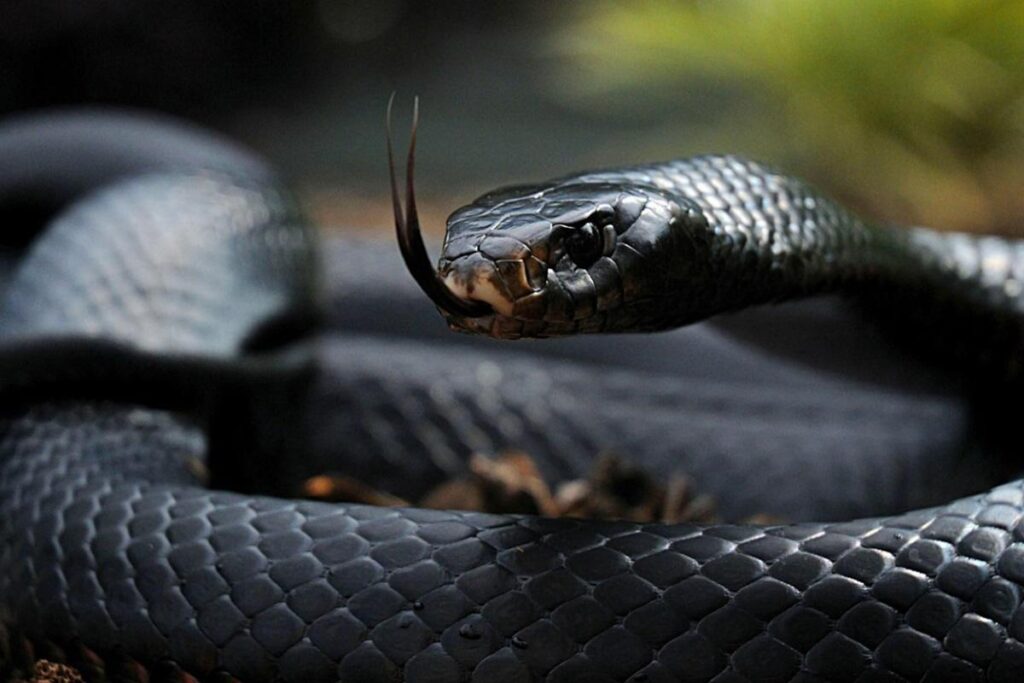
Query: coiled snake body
{"points": [[114, 556]]}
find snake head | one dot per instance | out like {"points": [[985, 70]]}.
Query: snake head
{"points": [[583, 254], [599, 252]]}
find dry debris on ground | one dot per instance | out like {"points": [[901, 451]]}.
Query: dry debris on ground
{"points": [[52, 672], [512, 483]]}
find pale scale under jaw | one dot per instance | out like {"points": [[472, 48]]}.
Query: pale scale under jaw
{"points": [[479, 288]]}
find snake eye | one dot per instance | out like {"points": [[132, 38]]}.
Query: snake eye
{"points": [[585, 245]]}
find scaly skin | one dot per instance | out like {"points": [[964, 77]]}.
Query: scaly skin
{"points": [[113, 556]]}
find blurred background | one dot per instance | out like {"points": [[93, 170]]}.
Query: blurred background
{"points": [[912, 111]]}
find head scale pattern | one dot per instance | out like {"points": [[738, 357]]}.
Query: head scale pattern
{"points": [[582, 254]]}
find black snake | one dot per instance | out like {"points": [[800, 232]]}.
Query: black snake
{"points": [[154, 321]]}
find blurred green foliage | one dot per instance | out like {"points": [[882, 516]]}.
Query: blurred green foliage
{"points": [[912, 109]]}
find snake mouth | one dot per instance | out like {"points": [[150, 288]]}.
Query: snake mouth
{"points": [[410, 238], [476, 279]]}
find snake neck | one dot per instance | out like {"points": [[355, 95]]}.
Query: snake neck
{"points": [[771, 237]]}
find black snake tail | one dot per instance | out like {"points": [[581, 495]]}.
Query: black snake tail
{"points": [[115, 557]]}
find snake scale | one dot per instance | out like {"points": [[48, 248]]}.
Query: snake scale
{"points": [[175, 289]]}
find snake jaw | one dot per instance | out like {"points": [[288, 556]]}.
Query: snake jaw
{"points": [[410, 238], [479, 287]]}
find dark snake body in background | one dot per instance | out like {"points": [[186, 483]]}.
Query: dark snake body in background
{"points": [[154, 323]]}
